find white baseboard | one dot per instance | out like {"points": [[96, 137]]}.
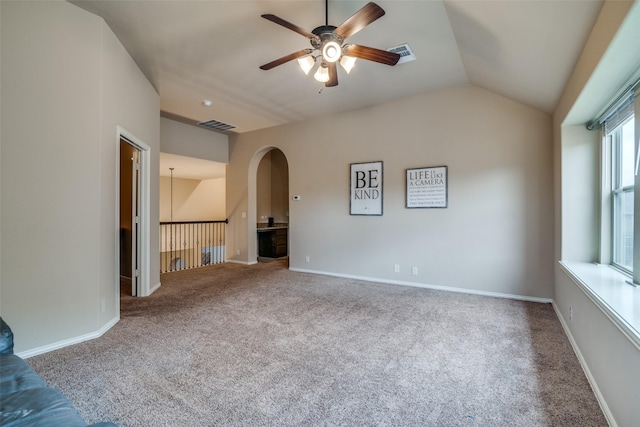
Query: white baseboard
{"points": [[155, 288], [71, 341], [236, 261], [427, 286], [592, 381]]}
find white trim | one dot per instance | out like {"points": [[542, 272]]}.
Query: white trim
{"points": [[237, 261], [583, 363], [427, 286], [615, 279], [145, 217], [71, 341], [155, 288]]}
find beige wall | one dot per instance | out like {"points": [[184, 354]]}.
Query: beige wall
{"points": [[495, 236], [67, 83], [272, 188], [279, 187], [191, 141], [608, 356], [263, 189], [581, 219], [193, 200]]}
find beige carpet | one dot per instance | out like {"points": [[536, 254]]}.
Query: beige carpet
{"points": [[233, 345]]}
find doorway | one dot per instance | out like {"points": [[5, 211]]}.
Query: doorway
{"points": [[140, 272], [129, 218], [268, 206]]}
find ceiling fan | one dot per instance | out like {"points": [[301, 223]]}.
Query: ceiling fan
{"points": [[329, 42]]}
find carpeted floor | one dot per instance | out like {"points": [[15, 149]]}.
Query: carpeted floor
{"points": [[260, 345]]}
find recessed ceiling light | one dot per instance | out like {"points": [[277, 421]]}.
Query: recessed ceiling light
{"points": [[207, 103]]}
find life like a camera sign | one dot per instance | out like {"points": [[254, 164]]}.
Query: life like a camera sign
{"points": [[366, 188], [427, 187]]}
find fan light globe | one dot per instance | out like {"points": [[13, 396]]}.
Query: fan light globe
{"points": [[306, 63], [348, 62], [322, 75], [331, 51]]}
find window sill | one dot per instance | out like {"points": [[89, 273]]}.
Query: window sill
{"points": [[608, 289]]}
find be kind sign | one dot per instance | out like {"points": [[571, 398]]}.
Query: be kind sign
{"points": [[366, 188]]}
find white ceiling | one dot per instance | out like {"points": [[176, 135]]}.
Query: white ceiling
{"points": [[195, 50]]}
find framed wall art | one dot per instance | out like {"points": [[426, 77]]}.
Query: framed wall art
{"points": [[427, 187], [366, 188]]}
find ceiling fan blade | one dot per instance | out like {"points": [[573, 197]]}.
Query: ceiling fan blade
{"points": [[365, 16], [286, 58], [289, 25], [371, 54], [333, 75]]}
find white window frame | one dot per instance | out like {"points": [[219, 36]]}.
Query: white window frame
{"points": [[614, 141]]}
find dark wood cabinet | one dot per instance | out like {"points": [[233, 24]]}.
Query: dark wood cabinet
{"points": [[272, 243]]}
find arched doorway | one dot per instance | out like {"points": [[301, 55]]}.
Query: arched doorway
{"points": [[268, 204]]}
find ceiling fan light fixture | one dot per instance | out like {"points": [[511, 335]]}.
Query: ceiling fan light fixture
{"points": [[306, 63], [347, 62], [331, 51], [322, 75], [327, 40]]}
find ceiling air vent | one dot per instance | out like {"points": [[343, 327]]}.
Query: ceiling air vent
{"points": [[405, 52], [217, 125]]}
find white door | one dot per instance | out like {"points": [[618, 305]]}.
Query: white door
{"points": [[130, 216], [135, 222]]}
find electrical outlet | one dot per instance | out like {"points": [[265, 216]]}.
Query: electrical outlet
{"points": [[237, 251], [307, 258], [571, 313], [396, 268], [103, 305], [414, 271]]}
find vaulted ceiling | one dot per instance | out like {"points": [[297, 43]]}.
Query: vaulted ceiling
{"points": [[524, 50]]}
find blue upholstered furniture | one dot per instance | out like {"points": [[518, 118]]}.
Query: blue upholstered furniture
{"points": [[25, 399]]}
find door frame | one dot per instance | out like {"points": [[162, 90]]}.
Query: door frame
{"points": [[144, 237]]}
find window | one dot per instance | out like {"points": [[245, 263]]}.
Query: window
{"points": [[619, 133]]}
